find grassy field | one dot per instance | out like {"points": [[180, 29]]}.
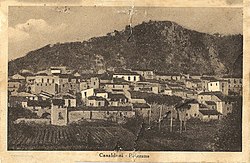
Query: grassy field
{"points": [[72, 137], [198, 137]]}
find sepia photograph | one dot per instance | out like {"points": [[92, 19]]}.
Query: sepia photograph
{"points": [[125, 78]]}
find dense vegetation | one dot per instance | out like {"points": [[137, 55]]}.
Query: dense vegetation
{"points": [[229, 134], [160, 45]]}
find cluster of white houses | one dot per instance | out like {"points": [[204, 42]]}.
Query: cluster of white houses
{"points": [[65, 96]]}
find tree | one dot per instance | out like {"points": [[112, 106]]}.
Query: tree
{"points": [[182, 111], [229, 135]]}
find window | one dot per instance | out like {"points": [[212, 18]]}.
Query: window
{"points": [[47, 80], [201, 97], [187, 114], [211, 84], [107, 112], [85, 94], [42, 80], [229, 81], [216, 84], [195, 114], [129, 78], [134, 78], [53, 80], [99, 103], [60, 117], [94, 83]]}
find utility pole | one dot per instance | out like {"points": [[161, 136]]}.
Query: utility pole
{"points": [[171, 120], [160, 117], [149, 116]]}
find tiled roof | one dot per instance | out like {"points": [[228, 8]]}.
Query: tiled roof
{"points": [[42, 103], [97, 98], [117, 96], [100, 91], [15, 80], [207, 78], [142, 69], [23, 94], [106, 108], [105, 76], [141, 105], [126, 73], [41, 74], [191, 101], [182, 105], [210, 103], [202, 106], [25, 74], [66, 76], [167, 74], [138, 95], [209, 112], [194, 80], [210, 93], [60, 102]]}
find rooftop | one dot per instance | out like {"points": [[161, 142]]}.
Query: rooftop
{"points": [[191, 101], [140, 105], [100, 91], [117, 96], [15, 80], [138, 95], [194, 80], [207, 78], [60, 102], [209, 112], [210, 103], [41, 103], [97, 98], [142, 69], [103, 108], [24, 94], [167, 74], [210, 93]]}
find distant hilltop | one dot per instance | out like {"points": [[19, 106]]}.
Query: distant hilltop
{"points": [[162, 46]]}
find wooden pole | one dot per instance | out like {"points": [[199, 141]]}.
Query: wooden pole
{"points": [[171, 120], [160, 118], [180, 126], [149, 116]]}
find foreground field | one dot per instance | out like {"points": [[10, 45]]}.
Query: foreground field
{"points": [[72, 138]]}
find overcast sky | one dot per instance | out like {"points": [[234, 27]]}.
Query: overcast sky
{"points": [[31, 28]]}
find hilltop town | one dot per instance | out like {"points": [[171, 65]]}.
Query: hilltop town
{"points": [[61, 96], [122, 93]]}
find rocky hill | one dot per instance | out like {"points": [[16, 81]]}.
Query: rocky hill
{"points": [[163, 46]]}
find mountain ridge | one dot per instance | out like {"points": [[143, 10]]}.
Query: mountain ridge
{"points": [[163, 46]]}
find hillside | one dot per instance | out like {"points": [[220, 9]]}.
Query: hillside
{"points": [[160, 45]]}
